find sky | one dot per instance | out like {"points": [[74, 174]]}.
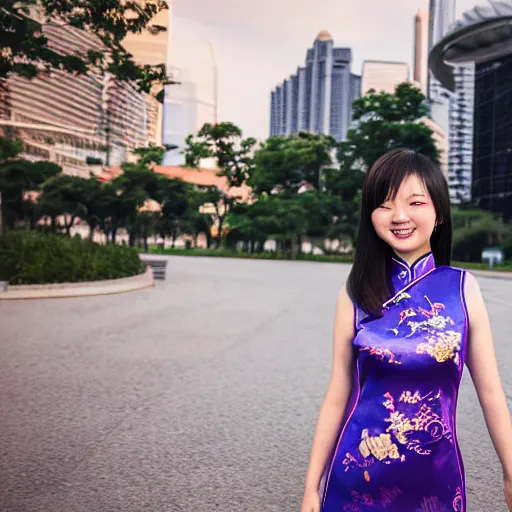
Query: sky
{"points": [[259, 44]]}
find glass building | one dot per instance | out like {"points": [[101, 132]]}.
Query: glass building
{"points": [[492, 163], [484, 36], [460, 158], [318, 97]]}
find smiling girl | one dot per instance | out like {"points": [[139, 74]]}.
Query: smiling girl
{"points": [[406, 323]]}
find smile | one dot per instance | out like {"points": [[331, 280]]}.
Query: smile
{"points": [[402, 233]]}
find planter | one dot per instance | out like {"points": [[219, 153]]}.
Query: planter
{"points": [[81, 289]]}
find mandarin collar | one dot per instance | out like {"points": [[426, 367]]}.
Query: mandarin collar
{"points": [[402, 273]]}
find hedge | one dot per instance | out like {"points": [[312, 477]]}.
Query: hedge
{"points": [[33, 257]]}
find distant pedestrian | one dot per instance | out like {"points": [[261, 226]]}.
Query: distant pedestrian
{"points": [[406, 323]]}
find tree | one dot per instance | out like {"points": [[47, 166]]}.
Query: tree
{"points": [[474, 230], [63, 196], [151, 154], [26, 49], [224, 143], [174, 197], [18, 176], [285, 163], [388, 121], [193, 221], [132, 188]]}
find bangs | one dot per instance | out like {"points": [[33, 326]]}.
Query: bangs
{"points": [[385, 180]]}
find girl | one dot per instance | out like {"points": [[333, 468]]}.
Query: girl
{"points": [[405, 324]]}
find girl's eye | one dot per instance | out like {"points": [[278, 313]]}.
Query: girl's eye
{"points": [[418, 203]]}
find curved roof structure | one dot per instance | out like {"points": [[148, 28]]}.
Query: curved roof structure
{"points": [[484, 33]]}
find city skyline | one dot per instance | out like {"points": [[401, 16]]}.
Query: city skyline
{"points": [[318, 97], [256, 51]]}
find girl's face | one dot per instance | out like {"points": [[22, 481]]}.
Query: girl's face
{"points": [[407, 222]]}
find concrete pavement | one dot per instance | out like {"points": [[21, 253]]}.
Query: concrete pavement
{"points": [[199, 394]]}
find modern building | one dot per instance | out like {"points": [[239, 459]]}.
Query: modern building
{"points": [[440, 138], [421, 34], [383, 76], [318, 97], [484, 36], [441, 19], [460, 159], [150, 47], [193, 100], [75, 119]]}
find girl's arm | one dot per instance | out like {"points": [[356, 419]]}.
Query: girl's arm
{"points": [[482, 365], [336, 398]]}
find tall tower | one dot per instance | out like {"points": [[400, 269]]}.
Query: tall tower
{"points": [[318, 98], [441, 19], [150, 47], [420, 72], [192, 100], [461, 134]]}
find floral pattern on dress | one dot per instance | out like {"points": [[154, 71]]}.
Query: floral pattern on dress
{"points": [[415, 423], [441, 342], [384, 498], [415, 420]]}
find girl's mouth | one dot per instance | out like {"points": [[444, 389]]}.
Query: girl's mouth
{"points": [[403, 233]]}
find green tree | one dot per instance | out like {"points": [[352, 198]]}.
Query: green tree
{"points": [[25, 49], [224, 142], [131, 189], [474, 230], [63, 196], [285, 163], [174, 196], [388, 121], [151, 154], [18, 176], [193, 221]]}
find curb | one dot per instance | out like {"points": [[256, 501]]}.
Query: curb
{"points": [[82, 289], [491, 274]]}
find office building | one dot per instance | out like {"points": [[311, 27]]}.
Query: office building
{"points": [[383, 76], [150, 47], [484, 36], [441, 20], [318, 97], [193, 100], [421, 34], [461, 134], [75, 119]]}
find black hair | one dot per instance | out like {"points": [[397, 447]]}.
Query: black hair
{"points": [[369, 283]]}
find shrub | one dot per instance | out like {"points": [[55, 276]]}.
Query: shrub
{"points": [[33, 257]]}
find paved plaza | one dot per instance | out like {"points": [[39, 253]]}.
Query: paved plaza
{"points": [[198, 395]]}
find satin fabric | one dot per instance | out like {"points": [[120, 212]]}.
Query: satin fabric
{"points": [[397, 448]]}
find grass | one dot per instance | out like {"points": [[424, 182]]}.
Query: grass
{"points": [[227, 253]]}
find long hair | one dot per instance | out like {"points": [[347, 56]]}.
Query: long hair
{"points": [[369, 283]]}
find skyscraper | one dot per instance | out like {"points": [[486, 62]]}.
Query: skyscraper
{"points": [[461, 134], [192, 101], [318, 97], [441, 20], [483, 36], [420, 74], [453, 110], [150, 47], [383, 76]]}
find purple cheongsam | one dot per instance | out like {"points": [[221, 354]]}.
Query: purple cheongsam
{"points": [[397, 448]]}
